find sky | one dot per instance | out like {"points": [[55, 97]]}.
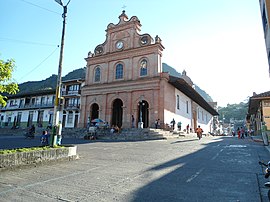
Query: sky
{"points": [[220, 44]]}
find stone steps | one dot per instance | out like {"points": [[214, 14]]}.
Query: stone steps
{"points": [[139, 134]]}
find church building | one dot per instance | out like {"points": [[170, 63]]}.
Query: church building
{"points": [[126, 86]]}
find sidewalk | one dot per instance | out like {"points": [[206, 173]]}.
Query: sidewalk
{"points": [[258, 138]]}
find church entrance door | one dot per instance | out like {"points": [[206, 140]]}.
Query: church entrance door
{"points": [[94, 111], [117, 112], [143, 113]]}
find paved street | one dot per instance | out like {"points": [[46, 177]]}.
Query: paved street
{"points": [[182, 169]]}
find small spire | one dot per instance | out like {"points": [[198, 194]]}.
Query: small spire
{"points": [[184, 73], [123, 17]]}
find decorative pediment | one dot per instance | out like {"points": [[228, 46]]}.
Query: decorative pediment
{"points": [[123, 20], [121, 35]]}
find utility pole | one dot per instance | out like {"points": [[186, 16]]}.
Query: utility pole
{"points": [[57, 126]]}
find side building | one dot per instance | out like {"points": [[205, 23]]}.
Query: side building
{"points": [[258, 111], [124, 79], [265, 15], [24, 109], [37, 107], [71, 93]]}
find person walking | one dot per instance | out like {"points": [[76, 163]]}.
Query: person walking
{"points": [[238, 132], [199, 132], [242, 131]]}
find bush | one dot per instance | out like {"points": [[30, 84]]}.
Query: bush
{"points": [[9, 151]]}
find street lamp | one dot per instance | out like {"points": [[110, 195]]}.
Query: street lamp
{"points": [[57, 127], [140, 124]]}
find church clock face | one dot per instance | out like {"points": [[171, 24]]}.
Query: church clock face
{"points": [[119, 45]]}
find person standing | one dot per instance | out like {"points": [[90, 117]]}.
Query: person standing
{"points": [[173, 123], [44, 138], [187, 128], [156, 123], [242, 133], [179, 124], [132, 121]]}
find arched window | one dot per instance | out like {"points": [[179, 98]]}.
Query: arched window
{"points": [[97, 74], [143, 68], [119, 71]]}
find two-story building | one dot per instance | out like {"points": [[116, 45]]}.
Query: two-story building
{"points": [[24, 109], [124, 79]]}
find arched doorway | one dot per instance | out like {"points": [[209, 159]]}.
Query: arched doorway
{"points": [[143, 113], [94, 111], [117, 112]]}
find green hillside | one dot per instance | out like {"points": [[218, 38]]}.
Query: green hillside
{"points": [[173, 72], [50, 83]]}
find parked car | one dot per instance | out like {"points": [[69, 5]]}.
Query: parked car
{"points": [[102, 125], [99, 123]]}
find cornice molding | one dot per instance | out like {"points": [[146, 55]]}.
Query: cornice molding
{"points": [[127, 53]]}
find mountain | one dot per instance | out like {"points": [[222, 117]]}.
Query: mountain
{"points": [[234, 113], [170, 70], [173, 72], [50, 83], [76, 74], [205, 95]]}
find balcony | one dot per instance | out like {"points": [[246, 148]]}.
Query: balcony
{"points": [[72, 107], [35, 106], [71, 93]]}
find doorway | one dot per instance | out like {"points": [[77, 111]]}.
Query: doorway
{"points": [[143, 113], [117, 112], [94, 111]]}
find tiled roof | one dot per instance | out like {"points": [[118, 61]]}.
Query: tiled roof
{"points": [[262, 95], [254, 102]]}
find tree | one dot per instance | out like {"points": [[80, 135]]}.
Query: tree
{"points": [[7, 85]]}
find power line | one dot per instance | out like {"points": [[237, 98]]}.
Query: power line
{"points": [[39, 63], [40, 7], [26, 42]]}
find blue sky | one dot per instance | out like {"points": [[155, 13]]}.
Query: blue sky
{"points": [[220, 44]]}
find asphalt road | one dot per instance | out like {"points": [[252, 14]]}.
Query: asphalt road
{"points": [[183, 169]]}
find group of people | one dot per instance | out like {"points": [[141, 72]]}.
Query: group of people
{"points": [[241, 133], [179, 126], [44, 138], [198, 130]]}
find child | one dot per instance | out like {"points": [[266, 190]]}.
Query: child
{"points": [[44, 138]]}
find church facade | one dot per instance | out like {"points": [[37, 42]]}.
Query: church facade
{"points": [[125, 84]]}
